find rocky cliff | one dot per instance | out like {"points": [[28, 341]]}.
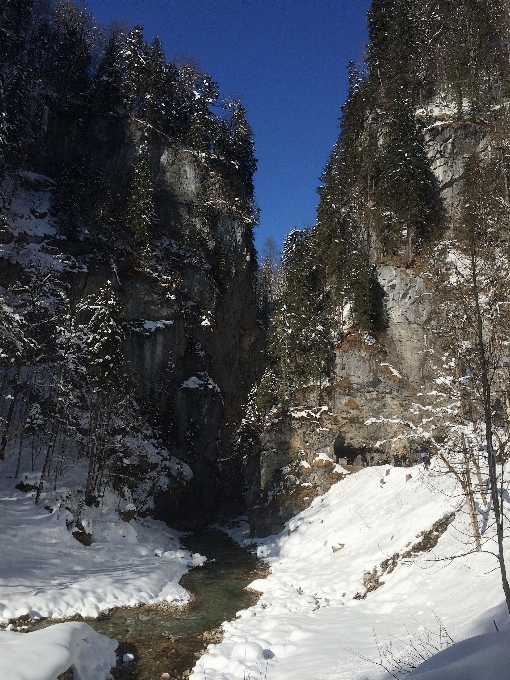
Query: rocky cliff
{"points": [[367, 407], [193, 345]]}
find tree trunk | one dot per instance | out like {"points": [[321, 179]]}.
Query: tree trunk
{"points": [[465, 481], [47, 460], [487, 410], [10, 412], [468, 491], [55, 428], [480, 480]]}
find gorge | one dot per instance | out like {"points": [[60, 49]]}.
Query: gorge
{"points": [[159, 376]]}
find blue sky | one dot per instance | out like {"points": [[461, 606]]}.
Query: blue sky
{"points": [[287, 60]]}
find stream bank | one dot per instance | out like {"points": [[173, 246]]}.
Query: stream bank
{"points": [[170, 641], [165, 640]]}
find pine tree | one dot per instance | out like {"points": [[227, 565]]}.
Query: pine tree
{"points": [[155, 99], [266, 282], [173, 118], [15, 346], [97, 362], [108, 86], [15, 81], [196, 93], [393, 51], [140, 204], [300, 340], [235, 145], [15, 20], [406, 189], [136, 58], [98, 339], [345, 213], [69, 57]]}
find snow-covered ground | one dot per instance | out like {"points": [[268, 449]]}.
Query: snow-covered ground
{"points": [[46, 572], [45, 654], [315, 618], [350, 590]]}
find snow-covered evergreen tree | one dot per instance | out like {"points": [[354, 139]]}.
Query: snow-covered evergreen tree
{"points": [[97, 363], [108, 83], [140, 204], [136, 56], [299, 338], [406, 194]]}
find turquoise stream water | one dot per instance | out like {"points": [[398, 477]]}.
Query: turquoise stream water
{"points": [[218, 589], [169, 641]]}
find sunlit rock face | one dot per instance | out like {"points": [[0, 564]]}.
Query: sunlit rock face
{"points": [[375, 381], [359, 416]]}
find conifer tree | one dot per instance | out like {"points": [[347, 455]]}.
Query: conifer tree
{"points": [[140, 204], [346, 209], [99, 338], [266, 282], [136, 57], [108, 88], [15, 344], [197, 93], [172, 115], [393, 51], [15, 19], [300, 340], [406, 190], [15, 27], [155, 100], [236, 145], [97, 361], [68, 58]]}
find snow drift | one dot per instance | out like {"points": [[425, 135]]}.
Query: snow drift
{"points": [[45, 654], [361, 579]]}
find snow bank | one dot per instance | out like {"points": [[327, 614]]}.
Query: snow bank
{"points": [[45, 654], [349, 585], [485, 656], [46, 572]]}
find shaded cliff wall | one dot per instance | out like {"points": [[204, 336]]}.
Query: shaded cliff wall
{"points": [[194, 345]]}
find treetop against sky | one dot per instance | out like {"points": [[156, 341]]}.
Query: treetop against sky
{"points": [[287, 60]]}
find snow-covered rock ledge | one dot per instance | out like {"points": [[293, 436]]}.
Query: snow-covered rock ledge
{"points": [[45, 654]]}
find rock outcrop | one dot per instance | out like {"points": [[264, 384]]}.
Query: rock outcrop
{"points": [[361, 415]]}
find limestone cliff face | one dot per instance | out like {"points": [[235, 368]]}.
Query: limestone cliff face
{"points": [[451, 137], [375, 380], [194, 345]]}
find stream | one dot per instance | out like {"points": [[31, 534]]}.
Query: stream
{"points": [[169, 641]]}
